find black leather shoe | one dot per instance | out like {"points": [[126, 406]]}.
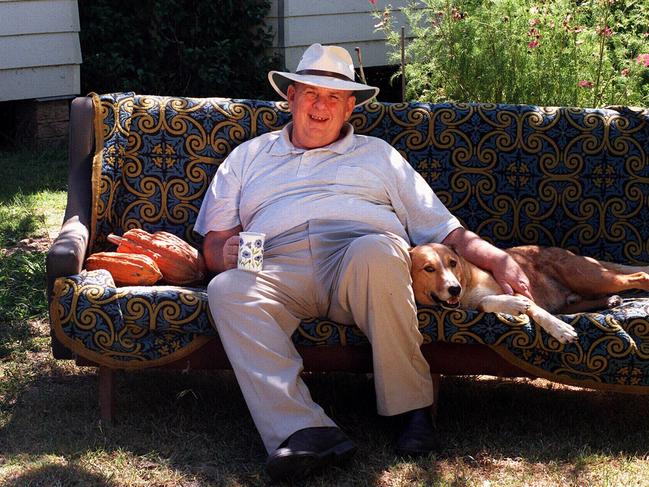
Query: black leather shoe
{"points": [[308, 450], [418, 437]]}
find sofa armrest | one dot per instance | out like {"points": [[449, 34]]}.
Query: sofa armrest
{"points": [[66, 255]]}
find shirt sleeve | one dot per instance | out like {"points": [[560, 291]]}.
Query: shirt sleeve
{"points": [[220, 208], [424, 216]]}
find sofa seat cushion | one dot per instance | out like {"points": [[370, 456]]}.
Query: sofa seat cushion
{"points": [[148, 326], [128, 327]]}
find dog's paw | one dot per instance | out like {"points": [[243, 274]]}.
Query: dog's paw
{"points": [[613, 301], [560, 330], [505, 303]]}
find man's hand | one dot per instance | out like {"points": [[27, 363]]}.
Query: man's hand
{"points": [[502, 266], [511, 277], [221, 249], [231, 252]]}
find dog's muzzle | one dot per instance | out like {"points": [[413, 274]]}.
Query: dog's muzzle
{"points": [[451, 304]]}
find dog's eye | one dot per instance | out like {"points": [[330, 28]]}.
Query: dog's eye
{"points": [[452, 263], [429, 268]]}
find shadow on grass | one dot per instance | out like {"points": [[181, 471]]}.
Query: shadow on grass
{"points": [[31, 171], [197, 427]]}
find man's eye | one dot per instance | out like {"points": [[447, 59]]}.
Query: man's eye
{"points": [[452, 263], [429, 268]]}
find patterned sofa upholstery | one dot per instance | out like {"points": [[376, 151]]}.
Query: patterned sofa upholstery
{"points": [[574, 178]]}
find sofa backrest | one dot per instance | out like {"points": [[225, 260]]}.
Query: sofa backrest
{"points": [[515, 174]]}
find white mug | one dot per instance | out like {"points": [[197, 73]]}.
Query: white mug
{"points": [[251, 251]]}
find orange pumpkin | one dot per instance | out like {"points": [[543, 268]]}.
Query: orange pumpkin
{"points": [[179, 262], [126, 269]]}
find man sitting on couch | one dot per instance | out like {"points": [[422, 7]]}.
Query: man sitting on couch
{"points": [[339, 212]]}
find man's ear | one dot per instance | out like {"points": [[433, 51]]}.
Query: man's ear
{"points": [[351, 103], [290, 93]]}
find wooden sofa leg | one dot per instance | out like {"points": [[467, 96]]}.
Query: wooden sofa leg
{"points": [[437, 379], [106, 394]]}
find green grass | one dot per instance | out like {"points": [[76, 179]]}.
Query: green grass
{"points": [[193, 429]]}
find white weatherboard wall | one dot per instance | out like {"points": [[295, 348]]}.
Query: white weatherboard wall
{"points": [[348, 23], [40, 52]]}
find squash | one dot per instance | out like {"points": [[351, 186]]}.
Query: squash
{"points": [[179, 262], [126, 269]]}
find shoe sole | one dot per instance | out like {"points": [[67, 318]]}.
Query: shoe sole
{"points": [[286, 463]]}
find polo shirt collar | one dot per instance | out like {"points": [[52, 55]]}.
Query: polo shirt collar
{"points": [[284, 146]]}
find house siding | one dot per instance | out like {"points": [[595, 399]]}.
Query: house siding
{"points": [[346, 23], [40, 52]]}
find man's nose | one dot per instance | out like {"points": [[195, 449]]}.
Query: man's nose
{"points": [[319, 101]]}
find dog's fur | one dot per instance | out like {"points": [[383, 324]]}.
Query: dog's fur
{"points": [[560, 282]]}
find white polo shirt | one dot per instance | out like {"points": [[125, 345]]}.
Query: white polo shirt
{"points": [[268, 185]]}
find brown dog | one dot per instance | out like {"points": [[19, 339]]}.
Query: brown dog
{"points": [[560, 281]]}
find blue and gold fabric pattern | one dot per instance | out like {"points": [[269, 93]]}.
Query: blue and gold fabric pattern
{"points": [[514, 174]]}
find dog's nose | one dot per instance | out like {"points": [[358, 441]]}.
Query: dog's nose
{"points": [[454, 290]]}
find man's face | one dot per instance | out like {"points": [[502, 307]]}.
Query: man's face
{"points": [[318, 114]]}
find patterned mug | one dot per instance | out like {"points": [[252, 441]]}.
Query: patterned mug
{"points": [[251, 251]]}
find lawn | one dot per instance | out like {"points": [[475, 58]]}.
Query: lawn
{"points": [[179, 429]]}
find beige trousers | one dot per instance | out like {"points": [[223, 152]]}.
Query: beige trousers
{"points": [[322, 269]]}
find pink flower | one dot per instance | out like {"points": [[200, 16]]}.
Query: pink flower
{"points": [[585, 84], [533, 32], [625, 72], [373, 2], [643, 59], [533, 44], [534, 22], [456, 14], [605, 32]]}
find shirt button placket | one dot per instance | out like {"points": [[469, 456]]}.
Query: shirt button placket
{"points": [[303, 166]]}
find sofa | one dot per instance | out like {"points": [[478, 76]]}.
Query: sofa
{"points": [[515, 174]]}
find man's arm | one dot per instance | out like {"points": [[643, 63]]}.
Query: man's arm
{"points": [[504, 268], [221, 249]]}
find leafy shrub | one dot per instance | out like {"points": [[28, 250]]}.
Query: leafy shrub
{"points": [[558, 52], [176, 47]]}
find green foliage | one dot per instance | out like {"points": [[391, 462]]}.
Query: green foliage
{"points": [[554, 52], [17, 219], [22, 297], [32, 188], [175, 47]]}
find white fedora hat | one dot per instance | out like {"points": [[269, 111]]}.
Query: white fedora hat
{"points": [[327, 67]]}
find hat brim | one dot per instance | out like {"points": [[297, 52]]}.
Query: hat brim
{"points": [[280, 81]]}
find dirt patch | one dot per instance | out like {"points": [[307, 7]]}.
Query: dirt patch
{"points": [[37, 244]]}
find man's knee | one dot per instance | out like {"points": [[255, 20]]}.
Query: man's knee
{"points": [[223, 288]]}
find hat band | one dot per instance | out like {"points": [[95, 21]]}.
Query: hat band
{"points": [[320, 72]]}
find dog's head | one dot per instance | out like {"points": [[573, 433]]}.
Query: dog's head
{"points": [[437, 275]]}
